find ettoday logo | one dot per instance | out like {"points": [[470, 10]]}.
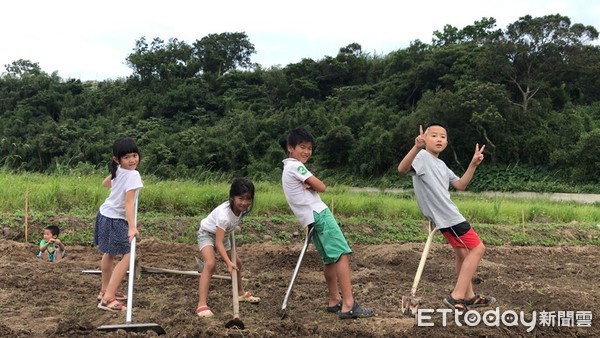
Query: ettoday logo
{"points": [[508, 318]]}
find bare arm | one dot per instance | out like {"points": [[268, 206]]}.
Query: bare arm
{"points": [[219, 237], [466, 178], [60, 244], [107, 181], [315, 184], [130, 214], [406, 163]]}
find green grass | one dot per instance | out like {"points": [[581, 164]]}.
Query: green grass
{"points": [[171, 211]]}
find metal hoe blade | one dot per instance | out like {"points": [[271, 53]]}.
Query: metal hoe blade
{"points": [[200, 264]]}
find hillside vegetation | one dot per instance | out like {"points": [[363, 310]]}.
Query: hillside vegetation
{"points": [[201, 110]]}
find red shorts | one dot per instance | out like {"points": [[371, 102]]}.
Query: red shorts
{"points": [[461, 235]]}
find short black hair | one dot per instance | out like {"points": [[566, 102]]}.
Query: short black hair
{"points": [[55, 230], [298, 136], [437, 124]]}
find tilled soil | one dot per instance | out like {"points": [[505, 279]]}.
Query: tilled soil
{"points": [[58, 300]]}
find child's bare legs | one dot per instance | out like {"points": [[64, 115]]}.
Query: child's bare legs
{"points": [[467, 262], [244, 295], [57, 255], [339, 272], [118, 273], [330, 272], [208, 253], [460, 255], [106, 266]]}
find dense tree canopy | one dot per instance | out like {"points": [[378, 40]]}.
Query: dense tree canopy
{"points": [[529, 92]]}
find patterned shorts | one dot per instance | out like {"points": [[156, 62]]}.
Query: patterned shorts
{"points": [[111, 235]]}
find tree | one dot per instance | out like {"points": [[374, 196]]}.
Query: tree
{"points": [[22, 68], [535, 52], [160, 60], [219, 53], [480, 32]]}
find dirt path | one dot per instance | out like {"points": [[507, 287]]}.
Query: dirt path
{"points": [[41, 299]]}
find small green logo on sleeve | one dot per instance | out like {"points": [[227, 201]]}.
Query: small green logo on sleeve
{"points": [[302, 170]]}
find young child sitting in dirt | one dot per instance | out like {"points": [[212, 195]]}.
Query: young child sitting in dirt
{"points": [[116, 222], [52, 249], [301, 190], [431, 180], [213, 235]]}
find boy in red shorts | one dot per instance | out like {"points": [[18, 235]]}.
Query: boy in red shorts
{"points": [[431, 180]]}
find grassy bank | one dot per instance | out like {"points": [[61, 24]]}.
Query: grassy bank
{"points": [[171, 210]]}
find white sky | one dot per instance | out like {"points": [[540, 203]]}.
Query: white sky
{"points": [[90, 39]]}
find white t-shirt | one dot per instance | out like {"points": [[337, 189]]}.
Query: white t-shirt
{"points": [[302, 201], [114, 205], [222, 217], [431, 180]]}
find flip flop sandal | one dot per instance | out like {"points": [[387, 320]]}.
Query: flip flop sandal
{"points": [[456, 304], [480, 301], [248, 297], [119, 295], [204, 312], [335, 308], [112, 305]]}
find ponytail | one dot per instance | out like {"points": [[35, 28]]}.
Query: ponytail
{"points": [[113, 169]]}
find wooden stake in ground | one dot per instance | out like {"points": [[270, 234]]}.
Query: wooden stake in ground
{"points": [[26, 211], [523, 221], [332, 206]]}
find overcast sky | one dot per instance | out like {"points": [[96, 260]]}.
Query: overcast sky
{"points": [[90, 40]]}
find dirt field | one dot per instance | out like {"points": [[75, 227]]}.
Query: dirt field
{"points": [[57, 300]]}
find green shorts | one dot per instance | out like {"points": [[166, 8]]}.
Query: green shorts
{"points": [[328, 238]]}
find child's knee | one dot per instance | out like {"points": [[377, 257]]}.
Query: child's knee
{"points": [[209, 265], [479, 249]]}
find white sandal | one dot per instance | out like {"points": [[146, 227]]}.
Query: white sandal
{"points": [[204, 311], [249, 297]]}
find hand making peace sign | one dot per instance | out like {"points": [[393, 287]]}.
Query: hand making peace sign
{"points": [[420, 140], [478, 156]]}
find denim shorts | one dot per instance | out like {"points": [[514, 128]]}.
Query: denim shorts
{"points": [[208, 238]]}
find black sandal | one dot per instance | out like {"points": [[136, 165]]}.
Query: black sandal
{"points": [[457, 304], [335, 308], [357, 311], [480, 300]]}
